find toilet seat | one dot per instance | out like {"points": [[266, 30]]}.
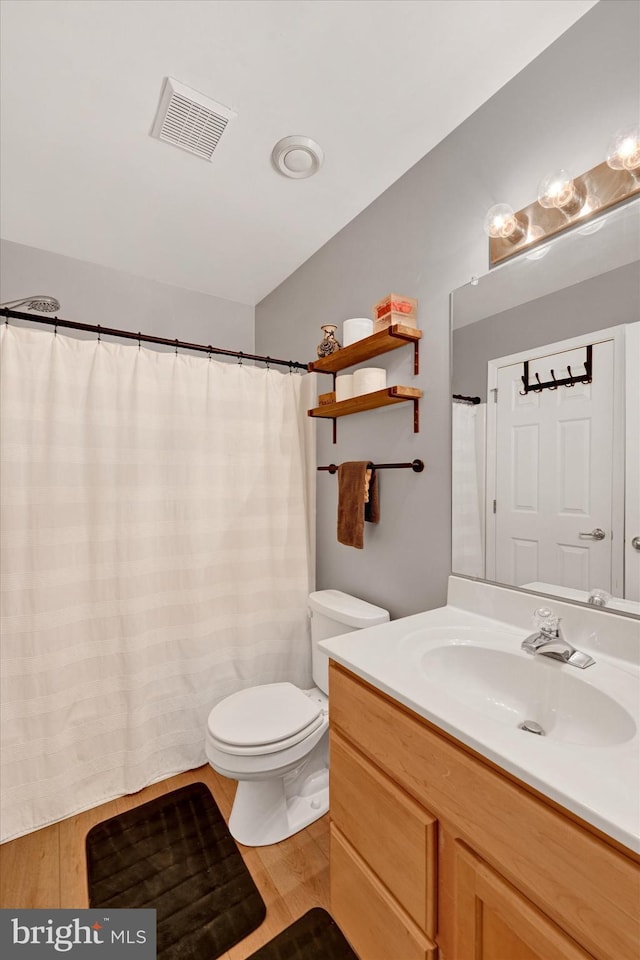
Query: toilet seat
{"points": [[264, 719]]}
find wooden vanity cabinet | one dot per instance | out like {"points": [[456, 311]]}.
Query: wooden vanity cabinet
{"points": [[438, 854]]}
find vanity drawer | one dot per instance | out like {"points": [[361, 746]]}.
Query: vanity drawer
{"points": [[586, 885], [393, 833], [373, 922]]}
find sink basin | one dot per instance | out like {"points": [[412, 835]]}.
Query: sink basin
{"points": [[512, 687], [466, 675]]}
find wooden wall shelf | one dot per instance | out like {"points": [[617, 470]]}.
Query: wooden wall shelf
{"points": [[371, 401], [397, 335], [393, 337]]}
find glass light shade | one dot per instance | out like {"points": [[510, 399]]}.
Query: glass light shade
{"points": [[539, 252], [555, 189], [624, 150], [501, 221], [592, 227], [560, 190]]}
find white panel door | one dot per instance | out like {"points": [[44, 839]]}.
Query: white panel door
{"points": [[554, 473]]}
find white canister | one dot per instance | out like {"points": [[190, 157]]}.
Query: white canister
{"points": [[356, 329], [344, 386], [368, 380]]}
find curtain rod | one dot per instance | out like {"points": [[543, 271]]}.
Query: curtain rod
{"points": [[146, 338], [416, 465], [463, 399]]}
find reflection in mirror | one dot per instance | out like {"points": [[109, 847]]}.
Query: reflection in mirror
{"points": [[546, 419]]}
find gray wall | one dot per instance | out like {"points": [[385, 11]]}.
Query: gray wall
{"points": [[100, 295], [423, 237], [594, 304]]}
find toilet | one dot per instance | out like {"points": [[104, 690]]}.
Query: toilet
{"points": [[274, 738]]}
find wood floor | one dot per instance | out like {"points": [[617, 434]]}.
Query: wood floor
{"points": [[47, 868]]}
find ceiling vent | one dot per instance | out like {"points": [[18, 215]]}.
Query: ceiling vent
{"points": [[189, 120]]}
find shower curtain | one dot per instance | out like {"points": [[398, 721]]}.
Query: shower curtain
{"points": [[467, 507], [155, 558]]}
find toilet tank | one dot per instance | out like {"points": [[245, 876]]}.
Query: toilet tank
{"points": [[333, 613]]}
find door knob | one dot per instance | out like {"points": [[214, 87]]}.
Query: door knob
{"points": [[635, 543], [595, 534]]}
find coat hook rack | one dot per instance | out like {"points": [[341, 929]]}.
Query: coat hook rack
{"points": [[464, 399], [416, 465], [570, 381]]}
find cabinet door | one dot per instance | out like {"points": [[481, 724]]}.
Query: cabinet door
{"points": [[496, 922]]}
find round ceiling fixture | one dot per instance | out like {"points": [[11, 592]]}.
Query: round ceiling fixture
{"points": [[297, 157]]}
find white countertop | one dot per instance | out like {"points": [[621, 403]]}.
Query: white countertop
{"points": [[597, 781]]}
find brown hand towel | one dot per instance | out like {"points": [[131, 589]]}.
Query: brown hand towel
{"points": [[352, 485], [372, 505]]}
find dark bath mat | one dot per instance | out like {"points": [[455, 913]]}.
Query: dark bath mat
{"points": [[315, 936], [175, 854]]}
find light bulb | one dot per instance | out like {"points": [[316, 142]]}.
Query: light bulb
{"points": [[501, 222], [624, 149], [560, 190]]}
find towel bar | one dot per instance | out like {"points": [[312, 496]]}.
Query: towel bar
{"points": [[416, 465]]}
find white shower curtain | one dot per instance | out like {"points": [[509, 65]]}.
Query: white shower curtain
{"points": [[467, 532], [154, 559]]}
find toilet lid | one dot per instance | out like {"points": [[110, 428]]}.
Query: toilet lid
{"points": [[267, 714]]}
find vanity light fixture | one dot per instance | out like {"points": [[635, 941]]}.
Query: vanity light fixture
{"points": [[565, 201]]}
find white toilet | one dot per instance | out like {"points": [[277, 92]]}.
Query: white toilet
{"points": [[274, 739]]}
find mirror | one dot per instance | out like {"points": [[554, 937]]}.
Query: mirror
{"points": [[546, 469]]}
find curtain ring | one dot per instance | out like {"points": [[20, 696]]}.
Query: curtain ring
{"points": [[177, 342], [268, 360], [210, 352], [139, 340], [99, 335], [240, 358], [290, 367]]}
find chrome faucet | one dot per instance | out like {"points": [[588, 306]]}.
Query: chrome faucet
{"points": [[547, 641], [599, 598]]}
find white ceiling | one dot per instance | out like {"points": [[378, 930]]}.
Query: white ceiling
{"points": [[377, 83]]}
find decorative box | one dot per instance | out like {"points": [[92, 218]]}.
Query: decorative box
{"points": [[394, 308]]}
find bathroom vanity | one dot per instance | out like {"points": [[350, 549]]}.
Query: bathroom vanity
{"points": [[458, 836]]}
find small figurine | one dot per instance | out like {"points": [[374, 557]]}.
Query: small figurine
{"points": [[328, 344]]}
